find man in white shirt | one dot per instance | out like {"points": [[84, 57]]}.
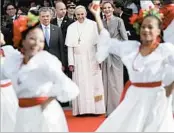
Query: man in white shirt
{"points": [[63, 21]]}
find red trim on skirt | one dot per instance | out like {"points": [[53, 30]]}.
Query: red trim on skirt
{"points": [[147, 85], [30, 102], [5, 85]]}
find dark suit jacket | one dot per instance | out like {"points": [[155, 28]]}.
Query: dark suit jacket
{"points": [[64, 26], [7, 30], [133, 36], [56, 43]]}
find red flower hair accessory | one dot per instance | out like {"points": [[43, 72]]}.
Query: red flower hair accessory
{"points": [[21, 24], [137, 19]]}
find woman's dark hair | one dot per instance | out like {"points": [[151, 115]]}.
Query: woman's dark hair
{"points": [[159, 25], [24, 34]]}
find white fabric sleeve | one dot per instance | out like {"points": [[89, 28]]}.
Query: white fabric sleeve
{"points": [[70, 56], [169, 63], [64, 88], [168, 76], [12, 62], [107, 45], [169, 32]]}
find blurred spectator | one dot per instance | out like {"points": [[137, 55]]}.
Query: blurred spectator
{"points": [[22, 11], [70, 10], [121, 12], [131, 5], [63, 22], [11, 11], [7, 28], [157, 3], [33, 4], [46, 3], [112, 67], [55, 1]]}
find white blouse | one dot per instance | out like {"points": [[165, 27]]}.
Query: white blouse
{"points": [[148, 68], [41, 76]]}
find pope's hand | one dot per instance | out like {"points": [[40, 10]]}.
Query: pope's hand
{"points": [[71, 68]]}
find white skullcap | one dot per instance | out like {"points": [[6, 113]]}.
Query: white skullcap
{"points": [[79, 7]]}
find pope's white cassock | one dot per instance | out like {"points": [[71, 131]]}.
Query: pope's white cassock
{"points": [[81, 40]]}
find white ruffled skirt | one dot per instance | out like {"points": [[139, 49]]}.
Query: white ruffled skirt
{"points": [[142, 110], [173, 103], [9, 105], [33, 119]]}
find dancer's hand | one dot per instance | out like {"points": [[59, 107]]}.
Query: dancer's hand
{"points": [[169, 89], [45, 104]]}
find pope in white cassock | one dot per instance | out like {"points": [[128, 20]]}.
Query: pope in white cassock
{"points": [[81, 40]]}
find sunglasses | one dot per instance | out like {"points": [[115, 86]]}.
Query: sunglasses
{"points": [[71, 7]]}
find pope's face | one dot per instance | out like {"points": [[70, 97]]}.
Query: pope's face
{"points": [[80, 14]]}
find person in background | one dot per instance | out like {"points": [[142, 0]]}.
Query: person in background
{"points": [[7, 29], [131, 5], [33, 4], [70, 10], [112, 67], [63, 21], [81, 40], [22, 11], [54, 42], [157, 4], [46, 3]]}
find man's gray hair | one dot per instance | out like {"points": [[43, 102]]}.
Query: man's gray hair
{"points": [[45, 9], [80, 7]]}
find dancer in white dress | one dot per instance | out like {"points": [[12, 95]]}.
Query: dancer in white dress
{"points": [[38, 81], [8, 97], [146, 106], [168, 25]]}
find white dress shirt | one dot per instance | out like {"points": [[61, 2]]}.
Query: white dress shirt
{"points": [[43, 27], [59, 21]]}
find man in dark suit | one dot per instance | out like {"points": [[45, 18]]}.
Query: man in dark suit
{"points": [[54, 42], [125, 14], [7, 28], [63, 21]]}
